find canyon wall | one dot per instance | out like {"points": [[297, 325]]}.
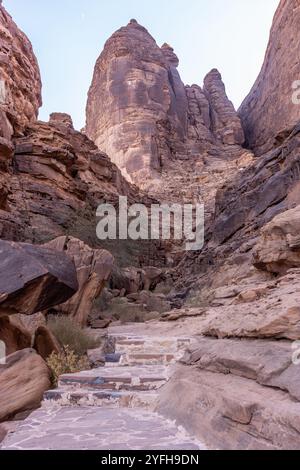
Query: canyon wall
{"points": [[268, 113], [20, 82]]}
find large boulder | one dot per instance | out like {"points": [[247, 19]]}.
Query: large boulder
{"points": [[34, 278], [93, 271], [232, 388], [278, 248], [269, 108], [23, 380]]}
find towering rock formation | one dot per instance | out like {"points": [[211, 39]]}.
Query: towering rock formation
{"points": [[20, 83], [268, 112], [225, 124], [133, 98], [141, 114]]}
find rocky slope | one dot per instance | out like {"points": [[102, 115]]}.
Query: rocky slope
{"points": [[264, 121], [53, 183]]}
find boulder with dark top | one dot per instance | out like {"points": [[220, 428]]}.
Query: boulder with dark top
{"points": [[34, 278]]}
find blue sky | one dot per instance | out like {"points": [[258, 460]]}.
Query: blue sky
{"points": [[68, 36]]}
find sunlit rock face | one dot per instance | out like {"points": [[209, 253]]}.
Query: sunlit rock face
{"points": [[141, 114], [271, 110], [132, 99], [20, 82]]}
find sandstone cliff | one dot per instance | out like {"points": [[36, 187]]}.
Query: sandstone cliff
{"points": [[269, 113], [141, 114], [20, 82], [53, 184]]}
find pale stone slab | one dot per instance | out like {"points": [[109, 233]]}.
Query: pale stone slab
{"points": [[63, 428]]}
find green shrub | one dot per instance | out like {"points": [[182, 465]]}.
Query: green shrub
{"points": [[71, 335]]}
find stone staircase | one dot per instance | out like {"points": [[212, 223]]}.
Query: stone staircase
{"points": [[111, 407], [131, 377]]}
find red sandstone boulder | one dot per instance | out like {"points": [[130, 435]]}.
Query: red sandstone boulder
{"points": [[23, 380], [34, 278], [278, 248], [93, 270]]}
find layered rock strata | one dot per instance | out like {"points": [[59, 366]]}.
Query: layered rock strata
{"points": [[143, 116], [271, 109], [20, 83]]}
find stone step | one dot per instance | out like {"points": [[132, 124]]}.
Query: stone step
{"points": [[117, 378], [136, 359], [150, 345], [109, 398]]}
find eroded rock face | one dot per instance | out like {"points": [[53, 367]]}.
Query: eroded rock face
{"points": [[93, 270], [23, 380], [225, 123], [268, 363], [34, 278], [141, 114], [269, 109], [279, 246], [247, 201], [54, 184], [132, 74], [20, 82], [14, 335], [231, 412]]}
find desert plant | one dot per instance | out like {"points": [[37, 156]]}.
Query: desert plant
{"points": [[71, 335], [66, 362]]}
